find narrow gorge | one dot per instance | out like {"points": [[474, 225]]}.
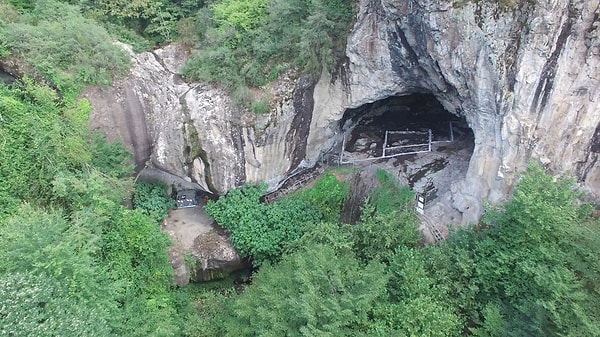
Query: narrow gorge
{"points": [[518, 82]]}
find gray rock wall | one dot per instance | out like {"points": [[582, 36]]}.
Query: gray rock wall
{"points": [[525, 78], [194, 131]]}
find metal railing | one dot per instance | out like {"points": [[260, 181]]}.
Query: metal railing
{"points": [[404, 149]]}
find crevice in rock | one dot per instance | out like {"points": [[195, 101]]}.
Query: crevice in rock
{"points": [[546, 82], [297, 137], [396, 52], [193, 147], [162, 62], [517, 32], [238, 143]]}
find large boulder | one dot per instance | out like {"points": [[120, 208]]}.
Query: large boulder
{"points": [[214, 257], [200, 250]]}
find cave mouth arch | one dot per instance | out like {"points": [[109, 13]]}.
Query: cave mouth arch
{"points": [[415, 138]]}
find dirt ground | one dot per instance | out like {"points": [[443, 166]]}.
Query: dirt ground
{"points": [[431, 174], [185, 224]]}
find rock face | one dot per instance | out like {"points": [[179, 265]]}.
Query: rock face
{"points": [[199, 250], [194, 131], [525, 77], [523, 74], [214, 258]]}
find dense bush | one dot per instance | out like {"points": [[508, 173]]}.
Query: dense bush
{"points": [[530, 269], [37, 305], [387, 222], [258, 230], [327, 195], [315, 291], [38, 139], [63, 47], [105, 268], [152, 199], [252, 41]]}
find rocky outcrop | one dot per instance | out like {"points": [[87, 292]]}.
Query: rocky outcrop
{"points": [[214, 258], [200, 251], [194, 131], [524, 75]]}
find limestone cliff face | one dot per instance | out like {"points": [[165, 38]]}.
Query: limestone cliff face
{"points": [[525, 76], [194, 131]]}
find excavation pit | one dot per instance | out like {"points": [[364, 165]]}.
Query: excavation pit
{"points": [[415, 138]]}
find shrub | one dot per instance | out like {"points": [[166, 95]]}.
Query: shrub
{"points": [[51, 39], [37, 305], [258, 230], [327, 195], [152, 199], [263, 39], [260, 107]]}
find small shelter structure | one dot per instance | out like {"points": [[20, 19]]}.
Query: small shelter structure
{"points": [[187, 198]]}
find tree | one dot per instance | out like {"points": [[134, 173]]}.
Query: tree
{"points": [[50, 40], [416, 306], [315, 291], [526, 270], [42, 241], [388, 221], [327, 195], [152, 200], [37, 305]]}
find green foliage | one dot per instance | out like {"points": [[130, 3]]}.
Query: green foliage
{"points": [[327, 195], [8, 13], [38, 138], [110, 158], [208, 313], [45, 242], [152, 199], [243, 16], [253, 41], [37, 305], [417, 306], [260, 107], [154, 20], [135, 262], [88, 188], [259, 230], [388, 221], [388, 196], [312, 292], [51, 40], [526, 272], [63, 219], [377, 234]]}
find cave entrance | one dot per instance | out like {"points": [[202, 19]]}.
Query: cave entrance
{"points": [[413, 137]]}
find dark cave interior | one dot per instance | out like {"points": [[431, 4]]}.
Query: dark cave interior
{"points": [[413, 115], [425, 146]]}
